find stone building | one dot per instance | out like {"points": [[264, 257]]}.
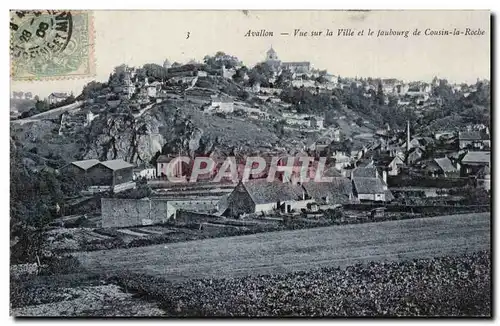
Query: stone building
{"points": [[296, 68], [111, 173], [55, 98], [261, 196]]}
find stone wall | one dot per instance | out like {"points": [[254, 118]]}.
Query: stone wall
{"points": [[133, 212], [186, 217], [125, 212]]}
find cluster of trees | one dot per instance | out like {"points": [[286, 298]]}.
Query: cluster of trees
{"points": [[373, 106], [239, 76], [457, 110], [221, 59], [36, 198], [43, 106], [224, 86], [152, 71], [92, 90], [40, 106], [260, 74], [305, 101]]}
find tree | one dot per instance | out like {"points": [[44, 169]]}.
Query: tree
{"points": [[239, 76], [91, 90], [261, 73], [321, 79], [393, 101], [284, 79], [42, 106], [33, 198], [155, 71], [380, 94], [221, 59]]}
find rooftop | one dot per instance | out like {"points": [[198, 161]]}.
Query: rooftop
{"points": [[264, 192], [386, 160], [61, 95], [117, 164], [365, 172], [445, 164], [471, 135], [369, 185], [477, 157], [271, 50], [85, 164], [340, 188]]}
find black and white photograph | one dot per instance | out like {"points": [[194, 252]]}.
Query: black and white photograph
{"points": [[250, 163]]}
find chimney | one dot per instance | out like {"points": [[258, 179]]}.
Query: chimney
{"points": [[384, 176], [408, 136]]}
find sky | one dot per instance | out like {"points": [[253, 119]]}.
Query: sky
{"points": [[138, 37]]}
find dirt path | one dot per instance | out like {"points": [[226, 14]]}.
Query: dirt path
{"points": [[50, 114], [279, 252]]}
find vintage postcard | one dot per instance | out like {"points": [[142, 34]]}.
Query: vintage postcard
{"points": [[250, 163]]}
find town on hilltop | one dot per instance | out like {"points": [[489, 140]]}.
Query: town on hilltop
{"points": [[94, 171]]}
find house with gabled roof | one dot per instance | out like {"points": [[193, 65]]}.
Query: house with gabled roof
{"points": [[338, 191], [78, 168], [369, 189], [369, 186], [111, 173], [474, 139], [442, 167], [415, 155], [473, 161], [261, 196], [391, 165], [55, 98]]}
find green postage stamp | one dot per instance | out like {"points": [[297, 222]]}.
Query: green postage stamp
{"points": [[51, 44]]}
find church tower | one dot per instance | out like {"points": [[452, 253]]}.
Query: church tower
{"points": [[271, 55]]}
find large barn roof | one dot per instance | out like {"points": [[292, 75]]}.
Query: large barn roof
{"points": [[476, 157], [117, 164], [338, 190], [263, 192], [364, 172], [445, 164], [85, 164], [369, 185], [469, 135]]}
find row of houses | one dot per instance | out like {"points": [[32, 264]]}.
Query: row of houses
{"points": [[261, 196]]}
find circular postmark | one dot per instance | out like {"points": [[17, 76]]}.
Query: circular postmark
{"points": [[47, 43]]}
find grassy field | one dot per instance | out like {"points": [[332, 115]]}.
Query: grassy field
{"points": [[288, 251]]}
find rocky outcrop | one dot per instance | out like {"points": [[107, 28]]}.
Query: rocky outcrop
{"points": [[137, 140]]}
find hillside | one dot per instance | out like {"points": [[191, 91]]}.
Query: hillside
{"points": [[171, 116], [171, 126], [175, 126]]}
